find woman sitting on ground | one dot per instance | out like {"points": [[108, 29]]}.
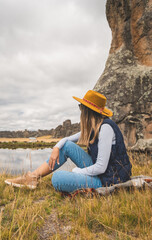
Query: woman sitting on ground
{"points": [[106, 162]]}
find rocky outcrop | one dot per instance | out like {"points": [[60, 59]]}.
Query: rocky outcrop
{"points": [[143, 145], [127, 78], [66, 129]]}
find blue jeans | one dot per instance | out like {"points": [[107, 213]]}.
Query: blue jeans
{"points": [[68, 181]]}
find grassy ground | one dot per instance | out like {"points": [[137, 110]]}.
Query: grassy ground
{"points": [[45, 214], [15, 145], [40, 142]]}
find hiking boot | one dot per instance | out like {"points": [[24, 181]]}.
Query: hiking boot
{"points": [[27, 180]]}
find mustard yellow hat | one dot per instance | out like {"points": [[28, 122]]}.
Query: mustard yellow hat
{"points": [[95, 101]]}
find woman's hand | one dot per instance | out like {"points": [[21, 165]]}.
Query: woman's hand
{"points": [[54, 157]]}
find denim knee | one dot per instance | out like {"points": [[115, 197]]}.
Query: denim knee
{"points": [[68, 145]]}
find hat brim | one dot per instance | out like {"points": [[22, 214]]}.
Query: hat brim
{"points": [[106, 112]]}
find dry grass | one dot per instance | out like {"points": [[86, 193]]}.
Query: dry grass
{"points": [[14, 139], [39, 139], [125, 215]]}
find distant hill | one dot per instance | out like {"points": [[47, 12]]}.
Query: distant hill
{"points": [[64, 130]]}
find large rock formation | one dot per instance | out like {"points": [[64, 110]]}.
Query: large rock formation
{"points": [[127, 78], [66, 129]]}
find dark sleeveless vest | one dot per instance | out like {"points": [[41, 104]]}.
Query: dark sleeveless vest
{"points": [[119, 166]]}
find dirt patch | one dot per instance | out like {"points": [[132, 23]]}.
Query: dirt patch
{"points": [[53, 226]]}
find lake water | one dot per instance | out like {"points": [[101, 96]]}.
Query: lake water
{"points": [[16, 161]]}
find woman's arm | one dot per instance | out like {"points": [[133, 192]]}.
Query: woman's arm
{"points": [[106, 136], [73, 138]]}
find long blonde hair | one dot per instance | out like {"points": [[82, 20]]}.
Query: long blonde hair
{"points": [[89, 121]]}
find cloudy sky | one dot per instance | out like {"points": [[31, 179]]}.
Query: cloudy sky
{"points": [[50, 50]]}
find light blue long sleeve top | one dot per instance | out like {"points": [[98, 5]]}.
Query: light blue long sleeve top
{"points": [[105, 142]]}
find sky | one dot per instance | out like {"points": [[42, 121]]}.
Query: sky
{"points": [[50, 50]]}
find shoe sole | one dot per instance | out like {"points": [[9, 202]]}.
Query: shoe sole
{"points": [[20, 185]]}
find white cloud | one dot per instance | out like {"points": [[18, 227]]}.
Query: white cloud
{"points": [[50, 51]]}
